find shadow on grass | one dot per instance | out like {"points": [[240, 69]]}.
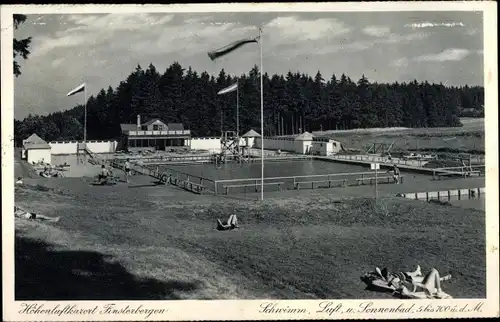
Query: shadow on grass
{"points": [[152, 184], [42, 273]]}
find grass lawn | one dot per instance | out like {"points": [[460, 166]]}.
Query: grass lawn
{"points": [[468, 138], [160, 243]]}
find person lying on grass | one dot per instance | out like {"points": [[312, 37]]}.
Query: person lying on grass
{"points": [[20, 213], [231, 223], [406, 283]]}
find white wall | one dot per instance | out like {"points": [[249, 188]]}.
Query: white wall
{"points": [[246, 142], [303, 147], [102, 146], [325, 147], [67, 147], [210, 144], [36, 156], [71, 147], [283, 144]]}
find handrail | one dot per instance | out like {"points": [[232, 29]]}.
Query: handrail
{"points": [[296, 177]]}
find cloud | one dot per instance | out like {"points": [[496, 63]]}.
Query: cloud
{"points": [[293, 29], [376, 31], [451, 54], [427, 24], [363, 45], [91, 34], [401, 62], [92, 30], [472, 32]]}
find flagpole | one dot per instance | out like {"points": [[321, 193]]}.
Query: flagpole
{"points": [[85, 116], [237, 109], [238, 119], [261, 118]]}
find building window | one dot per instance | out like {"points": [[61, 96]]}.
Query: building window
{"points": [[144, 128], [334, 144]]}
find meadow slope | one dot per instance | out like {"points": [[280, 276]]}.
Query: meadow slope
{"points": [[468, 138], [160, 243]]}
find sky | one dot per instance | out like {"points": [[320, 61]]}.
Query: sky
{"points": [[103, 49]]}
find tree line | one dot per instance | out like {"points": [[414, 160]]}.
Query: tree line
{"points": [[293, 103]]}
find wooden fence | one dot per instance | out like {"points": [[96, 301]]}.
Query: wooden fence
{"points": [[294, 182]]}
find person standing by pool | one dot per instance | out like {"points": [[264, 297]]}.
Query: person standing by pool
{"points": [[396, 174], [127, 170]]}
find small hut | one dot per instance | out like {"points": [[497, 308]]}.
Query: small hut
{"points": [[303, 143], [36, 150], [249, 138]]}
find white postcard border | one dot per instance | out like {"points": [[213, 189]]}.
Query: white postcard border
{"points": [[252, 309]]}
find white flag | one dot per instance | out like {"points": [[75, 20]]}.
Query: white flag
{"points": [[79, 89], [229, 89]]}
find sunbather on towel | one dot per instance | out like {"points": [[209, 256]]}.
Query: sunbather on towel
{"points": [[231, 223], [407, 283], [20, 213]]}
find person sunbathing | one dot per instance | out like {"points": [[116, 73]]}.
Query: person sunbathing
{"points": [[20, 213], [105, 176], [231, 223], [408, 283]]}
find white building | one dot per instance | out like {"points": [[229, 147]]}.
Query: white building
{"points": [[303, 143], [325, 146], [249, 139], [35, 150]]}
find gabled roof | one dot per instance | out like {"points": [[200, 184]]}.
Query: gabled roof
{"points": [[251, 134], [37, 146], [33, 138], [148, 123], [306, 136], [175, 126], [128, 127]]}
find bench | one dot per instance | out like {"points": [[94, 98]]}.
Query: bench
{"points": [[193, 187], [298, 183], [359, 181], [279, 184]]}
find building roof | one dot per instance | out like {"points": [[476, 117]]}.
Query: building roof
{"points": [[175, 127], [37, 146], [148, 123], [171, 126], [306, 136], [324, 138], [128, 127], [251, 134], [33, 138]]}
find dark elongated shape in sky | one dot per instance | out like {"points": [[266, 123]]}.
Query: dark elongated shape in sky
{"points": [[229, 48]]}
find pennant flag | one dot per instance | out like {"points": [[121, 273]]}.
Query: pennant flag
{"points": [[229, 48], [229, 89], [79, 89]]}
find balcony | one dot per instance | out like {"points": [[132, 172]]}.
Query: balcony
{"points": [[158, 133]]}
